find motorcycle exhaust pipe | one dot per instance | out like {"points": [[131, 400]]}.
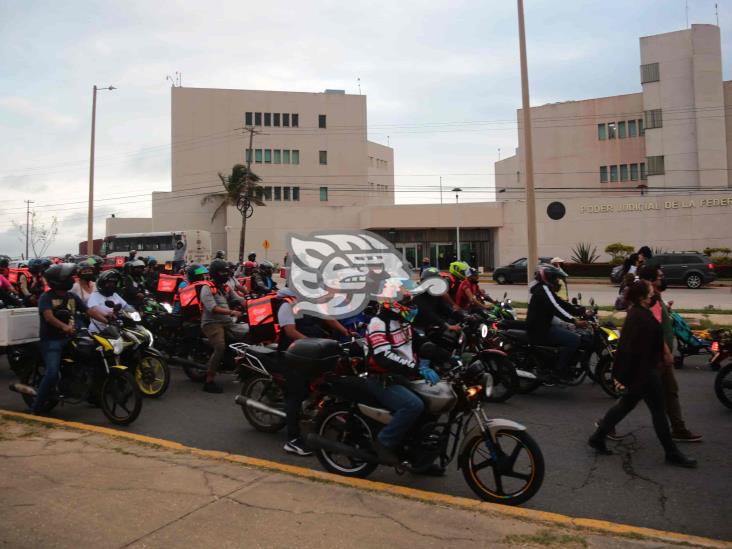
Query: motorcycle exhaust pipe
{"points": [[23, 389], [317, 442], [251, 403], [524, 374], [186, 362]]}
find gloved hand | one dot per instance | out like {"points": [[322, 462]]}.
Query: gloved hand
{"points": [[429, 375]]}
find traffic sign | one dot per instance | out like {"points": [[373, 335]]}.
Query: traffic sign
{"points": [[265, 244]]}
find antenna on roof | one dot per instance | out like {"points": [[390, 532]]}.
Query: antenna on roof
{"points": [[687, 13], [359, 81], [716, 12]]}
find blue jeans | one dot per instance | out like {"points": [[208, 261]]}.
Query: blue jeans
{"points": [[51, 350], [569, 343], [405, 406]]}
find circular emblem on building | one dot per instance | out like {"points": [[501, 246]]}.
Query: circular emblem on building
{"points": [[556, 211]]}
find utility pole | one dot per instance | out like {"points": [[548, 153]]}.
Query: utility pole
{"points": [[457, 191], [90, 213], [533, 255], [27, 226], [440, 189], [251, 131]]}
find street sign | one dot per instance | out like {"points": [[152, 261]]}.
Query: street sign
{"points": [[265, 244]]}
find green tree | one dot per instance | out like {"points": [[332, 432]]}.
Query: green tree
{"points": [[584, 253], [618, 251], [240, 185]]}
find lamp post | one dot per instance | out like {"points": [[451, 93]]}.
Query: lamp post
{"points": [[90, 220], [457, 191]]}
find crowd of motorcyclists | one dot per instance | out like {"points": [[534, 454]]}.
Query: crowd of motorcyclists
{"points": [[226, 298]]}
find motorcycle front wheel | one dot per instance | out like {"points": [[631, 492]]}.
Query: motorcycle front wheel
{"points": [[120, 397], [505, 380], [723, 385], [340, 424], [513, 476], [604, 377], [152, 376], [265, 391]]}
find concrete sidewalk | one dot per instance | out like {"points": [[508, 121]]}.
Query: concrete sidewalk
{"points": [[63, 487]]}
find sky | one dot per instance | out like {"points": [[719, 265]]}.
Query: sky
{"points": [[442, 81]]}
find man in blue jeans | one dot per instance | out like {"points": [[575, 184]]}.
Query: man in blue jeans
{"points": [[389, 336], [58, 309], [544, 305]]}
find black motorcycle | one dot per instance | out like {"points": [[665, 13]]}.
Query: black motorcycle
{"points": [[722, 361]]}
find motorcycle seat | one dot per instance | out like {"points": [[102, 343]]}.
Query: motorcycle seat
{"points": [[269, 357], [512, 324], [518, 335]]}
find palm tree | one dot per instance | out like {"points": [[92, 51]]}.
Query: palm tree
{"points": [[240, 185]]}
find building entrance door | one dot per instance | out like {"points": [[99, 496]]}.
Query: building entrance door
{"points": [[441, 255], [411, 253]]}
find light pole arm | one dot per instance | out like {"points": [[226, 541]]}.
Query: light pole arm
{"points": [[90, 213]]}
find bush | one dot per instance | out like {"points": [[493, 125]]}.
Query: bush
{"points": [[719, 259], [723, 271], [618, 251], [584, 253], [717, 251]]}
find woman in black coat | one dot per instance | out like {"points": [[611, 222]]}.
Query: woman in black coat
{"points": [[637, 366]]}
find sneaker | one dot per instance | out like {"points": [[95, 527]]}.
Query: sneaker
{"points": [[598, 443], [680, 460], [611, 434], [686, 436], [297, 446], [212, 387]]}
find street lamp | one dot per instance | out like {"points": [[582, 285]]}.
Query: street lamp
{"points": [[90, 221], [457, 191]]}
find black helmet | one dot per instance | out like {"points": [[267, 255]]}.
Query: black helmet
{"points": [[219, 271], [107, 282], [151, 261], [266, 267], [37, 266], [431, 272], [60, 276], [87, 270], [252, 256], [195, 273], [221, 254], [549, 275]]}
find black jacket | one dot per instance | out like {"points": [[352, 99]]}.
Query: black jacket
{"points": [[432, 310], [640, 347], [544, 305]]}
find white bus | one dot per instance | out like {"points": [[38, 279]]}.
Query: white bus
{"points": [[194, 246]]}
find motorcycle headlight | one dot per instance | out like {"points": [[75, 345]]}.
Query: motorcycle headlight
{"points": [[483, 330], [118, 345], [135, 316], [168, 307]]}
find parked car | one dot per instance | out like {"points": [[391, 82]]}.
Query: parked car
{"points": [[692, 269], [515, 272]]}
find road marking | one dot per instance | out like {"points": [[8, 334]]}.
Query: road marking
{"points": [[382, 487]]}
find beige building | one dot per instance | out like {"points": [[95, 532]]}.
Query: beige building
{"points": [[644, 168]]}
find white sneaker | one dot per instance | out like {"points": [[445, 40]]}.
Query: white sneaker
{"points": [[297, 446]]}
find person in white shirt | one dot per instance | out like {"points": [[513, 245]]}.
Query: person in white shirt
{"points": [[106, 291]]}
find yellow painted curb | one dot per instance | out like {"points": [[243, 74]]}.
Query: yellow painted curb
{"points": [[400, 491]]}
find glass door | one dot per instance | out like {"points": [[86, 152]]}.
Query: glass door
{"points": [[409, 252], [441, 254]]}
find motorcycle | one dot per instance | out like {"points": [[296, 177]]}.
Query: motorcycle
{"points": [[91, 371], [722, 351], [499, 460]]}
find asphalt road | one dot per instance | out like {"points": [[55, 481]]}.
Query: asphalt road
{"points": [[605, 294], [634, 486]]}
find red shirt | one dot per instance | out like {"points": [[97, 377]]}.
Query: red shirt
{"points": [[461, 298]]}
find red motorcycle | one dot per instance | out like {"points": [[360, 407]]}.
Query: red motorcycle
{"points": [[721, 348]]}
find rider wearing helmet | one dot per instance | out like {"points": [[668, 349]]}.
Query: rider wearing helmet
{"points": [[544, 305], [457, 271], [221, 254], [389, 336], [469, 296], [152, 276], [435, 310], [248, 268], [58, 309], [217, 313], [106, 291], [193, 273], [37, 285], [85, 286], [7, 291], [134, 283], [262, 282]]}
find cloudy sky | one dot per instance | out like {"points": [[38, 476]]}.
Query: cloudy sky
{"points": [[442, 81]]}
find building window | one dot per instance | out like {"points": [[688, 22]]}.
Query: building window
{"points": [[295, 120], [603, 174], [613, 174], [612, 130], [323, 157], [249, 155], [286, 156], [248, 119], [259, 193], [267, 156], [632, 129], [285, 193], [286, 119], [653, 119], [321, 121], [634, 172], [257, 118], [623, 172], [621, 130], [371, 160], [644, 175], [295, 156], [268, 119], [277, 156], [296, 194], [655, 165], [649, 73], [258, 156], [324, 194], [601, 133], [268, 193], [278, 193], [276, 119], [641, 129]]}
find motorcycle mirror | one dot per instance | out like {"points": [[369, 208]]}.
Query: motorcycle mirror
{"points": [[592, 301], [574, 301], [579, 296], [505, 295]]}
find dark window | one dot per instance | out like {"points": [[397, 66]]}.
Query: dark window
{"points": [[278, 193], [644, 175], [295, 120], [613, 174], [257, 118], [632, 128], [321, 121], [268, 193], [601, 133], [621, 130], [258, 156], [248, 119], [634, 172], [649, 73], [286, 119], [623, 172], [295, 156], [653, 119], [323, 194], [268, 119], [612, 130], [249, 155], [286, 156], [323, 157], [556, 211], [603, 174], [267, 156], [296, 193], [286, 193], [655, 165], [641, 129], [260, 193], [276, 119], [277, 156]]}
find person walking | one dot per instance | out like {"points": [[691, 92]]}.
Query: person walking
{"points": [[636, 366], [662, 314]]}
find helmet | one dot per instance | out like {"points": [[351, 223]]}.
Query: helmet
{"points": [[266, 267], [136, 267], [549, 275], [471, 272], [432, 272], [196, 272], [219, 270], [87, 270], [400, 309], [221, 254], [61, 276], [107, 282], [151, 261], [252, 256], [458, 268], [37, 266]]}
